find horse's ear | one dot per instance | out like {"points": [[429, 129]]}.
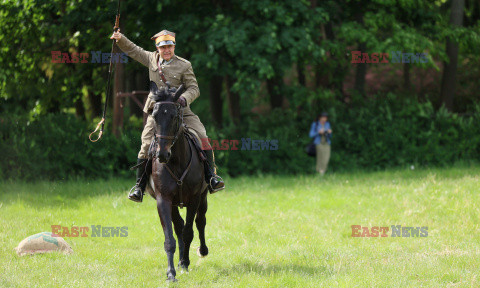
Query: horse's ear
{"points": [[153, 87], [178, 93], [153, 111]]}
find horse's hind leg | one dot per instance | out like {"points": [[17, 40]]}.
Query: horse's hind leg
{"points": [[201, 221], [178, 225], [165, 212]]}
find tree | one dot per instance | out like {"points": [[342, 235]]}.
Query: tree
{"points": [[450, 67]]}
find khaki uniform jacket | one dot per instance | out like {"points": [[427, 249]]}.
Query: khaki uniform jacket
{"points": [[177, 72]]}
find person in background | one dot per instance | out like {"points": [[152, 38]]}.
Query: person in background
{"points": [[321, 132]]}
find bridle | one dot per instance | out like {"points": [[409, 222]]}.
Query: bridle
{"points": [[179, 120]]}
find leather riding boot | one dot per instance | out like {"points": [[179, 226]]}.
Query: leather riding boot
{"points": [[215, 182], [142, 177]]}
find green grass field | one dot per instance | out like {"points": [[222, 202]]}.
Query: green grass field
{"points": [[262, 232]]}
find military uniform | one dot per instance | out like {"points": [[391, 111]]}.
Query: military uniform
{"points": [[178, 71]]}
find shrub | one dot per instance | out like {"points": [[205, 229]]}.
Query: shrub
{"points": [[57, 147], [374, 134]]}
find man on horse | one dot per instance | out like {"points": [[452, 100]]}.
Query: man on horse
{"points": [[176, 71]]}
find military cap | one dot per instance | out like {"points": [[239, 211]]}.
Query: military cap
{"points": [[164, 37]]}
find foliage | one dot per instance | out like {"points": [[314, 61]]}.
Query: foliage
{"points": [[33, 29], [251, 43], [388, 132], [56, 146], [384, 132]]}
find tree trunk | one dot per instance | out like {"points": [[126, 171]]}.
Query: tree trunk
{"points": [[141, 84], [216, 101], [361, 70], [316, 68], [301, 73], [407, 85], [318, 76], [95, 101], [360, 73], [336, 81], [450, 67], [79, 108], [274, 90], [233, 101]]}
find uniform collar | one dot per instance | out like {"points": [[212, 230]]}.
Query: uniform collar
{"points": [[162, 61], [154, 61], [166, 62]]}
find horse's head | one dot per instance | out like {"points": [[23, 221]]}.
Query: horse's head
{"points": [[168, 115]]}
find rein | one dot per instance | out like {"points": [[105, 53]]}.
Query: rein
{"points": [[179, 181]]}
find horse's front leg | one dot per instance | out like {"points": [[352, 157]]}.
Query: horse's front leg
{"points": [[188, 231], [165, 212], [178, 225]]}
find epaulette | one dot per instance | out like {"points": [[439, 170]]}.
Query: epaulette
{"points": [[182, 59]]}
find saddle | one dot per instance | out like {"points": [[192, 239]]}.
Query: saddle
{"points": [[193, 138]]}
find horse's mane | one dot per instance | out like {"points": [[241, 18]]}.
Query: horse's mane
{"points": [[165, 94], [160, 95]]}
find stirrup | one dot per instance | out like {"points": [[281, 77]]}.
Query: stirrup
{"points": [[133, 190], [210, 187]]}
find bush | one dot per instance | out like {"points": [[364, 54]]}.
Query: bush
{"points": [[388, 132], [57, 147], [374, 134]]}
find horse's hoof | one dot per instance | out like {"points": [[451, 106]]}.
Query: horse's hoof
{"points": [[171, 279], [183, 267], [200, 254], [183, 270]]}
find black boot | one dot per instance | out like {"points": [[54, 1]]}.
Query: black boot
{"points": [[215, 182], [142, 178]]}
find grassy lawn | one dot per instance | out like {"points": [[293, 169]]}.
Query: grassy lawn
{"points": [[262, 232]]}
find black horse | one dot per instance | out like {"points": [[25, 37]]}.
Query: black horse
{"points": [[177, 178]]}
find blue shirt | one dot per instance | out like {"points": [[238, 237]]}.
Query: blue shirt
{"points": [[317, 138]]}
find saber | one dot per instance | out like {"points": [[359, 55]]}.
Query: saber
{"points": [[101, 124]]}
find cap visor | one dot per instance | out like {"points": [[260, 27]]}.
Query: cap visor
{"points": [[163, 43]]}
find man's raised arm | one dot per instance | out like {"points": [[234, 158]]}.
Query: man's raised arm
{"points": [[131, 49]]}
